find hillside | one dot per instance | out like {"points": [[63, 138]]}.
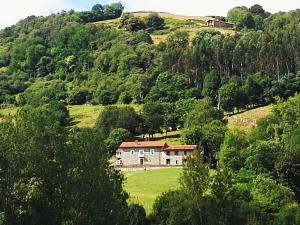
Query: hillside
{"points": [[190, 24], [248, 120]]}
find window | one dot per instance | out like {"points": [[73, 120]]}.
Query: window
{"points": [[176, 153], [151, 151], [185, 152], [132, 152], [141, 153], [168, 153]]}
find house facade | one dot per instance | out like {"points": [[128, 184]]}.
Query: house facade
{"points": [[152, 153], [219, 24]]}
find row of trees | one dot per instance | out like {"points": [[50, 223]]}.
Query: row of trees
{"points": [[132, 23]]}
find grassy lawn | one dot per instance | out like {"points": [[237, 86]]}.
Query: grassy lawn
{"points": [[145, 186]]}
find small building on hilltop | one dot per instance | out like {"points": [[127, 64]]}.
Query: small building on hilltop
{"points": [[219, 24], [152, 153]]}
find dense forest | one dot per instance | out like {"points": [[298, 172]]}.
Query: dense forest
{"points": [[52, 172], [67, 57]]}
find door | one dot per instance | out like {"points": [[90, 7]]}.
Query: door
{"points": [[168, 161], [141, 161]]}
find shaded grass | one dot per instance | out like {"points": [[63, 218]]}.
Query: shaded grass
{"points": [[145, 186]]}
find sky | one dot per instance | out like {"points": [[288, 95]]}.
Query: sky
{"points": [[12, 11]]}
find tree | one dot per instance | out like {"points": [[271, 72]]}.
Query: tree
{"points": [[115, 138], [258, 10], [288, 215], [211, 85], [241, 17], [113, 117], [132, 23], [136, 215], [261, 156], [230, 155], [203, 113], [230, 95], [288, 170], [95, 188], [154, 22], [33, 172], [153, 117]]}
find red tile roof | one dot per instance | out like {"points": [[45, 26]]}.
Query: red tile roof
{"points": [[156, 144], [180, 148], [143, 144]]}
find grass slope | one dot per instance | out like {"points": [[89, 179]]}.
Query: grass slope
{"points": [[248, 120], [145, 186]]}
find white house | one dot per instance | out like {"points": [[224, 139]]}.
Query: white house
{"points": [[152, 153]]}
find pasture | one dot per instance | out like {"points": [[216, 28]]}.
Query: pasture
{"points": [[145, 186]]}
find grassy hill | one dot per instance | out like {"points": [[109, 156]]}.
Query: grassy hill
{"points": [[144, 186], [190, 24], [247, 120]]}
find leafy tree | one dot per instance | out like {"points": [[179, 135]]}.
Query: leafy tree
{"points": [[132, 23], [241, 17], [210, 85], [115, 138], [230, 155], [113, 117], [136, 215], [203, 113], [154, 22], [153, 117], [229, 95], [103, 200], [258, 10], [261, 157], [289, 215], [288, 170], [168, 88]]}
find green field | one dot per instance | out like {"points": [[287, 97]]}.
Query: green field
{"points": [[145, 186]]}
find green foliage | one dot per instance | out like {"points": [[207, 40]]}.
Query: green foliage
{"points": [[288, 170], [168, 88], [288, 215], [154, 22], [231, 154], [42, 92], [261, 156], [133, 23], [203, 112], [153, 117], [115, 138], [136, 215], [103, 200], [113, 117], [241, 17]]}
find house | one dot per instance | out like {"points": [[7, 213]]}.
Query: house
{"points": [[152, 153], [219, 24]]}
